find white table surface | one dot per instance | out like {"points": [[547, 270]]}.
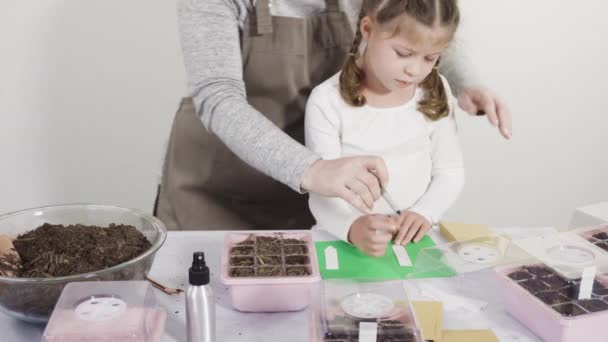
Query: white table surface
{"points": [[171, 269]]}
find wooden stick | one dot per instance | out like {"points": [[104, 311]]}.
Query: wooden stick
{"points": [[165, 289]]}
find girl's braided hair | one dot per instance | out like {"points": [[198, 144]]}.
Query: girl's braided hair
{"points": [[431, 13]]}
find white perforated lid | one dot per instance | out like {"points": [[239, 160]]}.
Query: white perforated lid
{"points": [[367, 305], [106, 311]]}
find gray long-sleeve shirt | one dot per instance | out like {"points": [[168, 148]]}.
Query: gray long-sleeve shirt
{"points": [[209, 34]]}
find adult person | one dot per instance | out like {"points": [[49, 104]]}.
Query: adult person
{"points": [[235, 158]]}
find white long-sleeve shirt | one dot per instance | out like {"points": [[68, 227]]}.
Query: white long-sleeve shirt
{"points": [[423, 157]]}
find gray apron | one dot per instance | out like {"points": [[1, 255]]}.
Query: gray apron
{"points": [[207, 187]]}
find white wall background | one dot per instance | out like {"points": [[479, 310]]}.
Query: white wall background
{"points": [[88, 90], [87, 94]]}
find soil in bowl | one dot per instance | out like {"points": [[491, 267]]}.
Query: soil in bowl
{"points": [[58, 250], [51, 251]]}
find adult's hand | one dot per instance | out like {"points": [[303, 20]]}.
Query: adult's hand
{"points": [[372, 233], [411, 226], [477, 100], [357, 180]]}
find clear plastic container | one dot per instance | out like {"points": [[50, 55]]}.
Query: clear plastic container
{"points": [[548, 304], [561, 293], [106, 311], [347, 310], [597, 235], [463, 257], [33, 299], [566, 253], [270, 271]]}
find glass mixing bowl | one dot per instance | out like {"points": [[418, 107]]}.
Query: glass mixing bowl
{"points": [[33, 299]]}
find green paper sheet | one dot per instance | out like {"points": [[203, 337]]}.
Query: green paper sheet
{"points": [[354, 264]]}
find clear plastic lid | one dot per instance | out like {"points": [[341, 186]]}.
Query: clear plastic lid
{"points": [[467, 256], [106, 311], [597, 235], [568, 253], [363, 311]]}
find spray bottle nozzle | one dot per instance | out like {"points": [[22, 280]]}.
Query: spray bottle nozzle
{"points": [[198, 261], [199, 272]]}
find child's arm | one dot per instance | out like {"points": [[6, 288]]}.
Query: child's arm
{"points": [[447, 177], [370, 233]]}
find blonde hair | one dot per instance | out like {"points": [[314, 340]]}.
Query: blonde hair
{"points": [[443, 13]]}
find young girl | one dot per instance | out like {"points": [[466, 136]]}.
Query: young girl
{"points": [[390, 101]]}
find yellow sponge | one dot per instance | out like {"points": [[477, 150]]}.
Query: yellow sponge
{"points": [[430, 317], [469, 336], [454, 231]]}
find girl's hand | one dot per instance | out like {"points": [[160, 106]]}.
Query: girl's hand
{"points": [[474, 100], [372, 233], [357, 180], [411, 225]]}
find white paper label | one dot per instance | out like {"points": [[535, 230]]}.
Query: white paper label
{"points": [[587, 282], [368, 331], [331, 258], [402, 257]]}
